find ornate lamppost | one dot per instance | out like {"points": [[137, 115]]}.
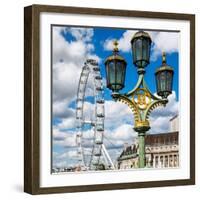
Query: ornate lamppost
{"points": [[140, 99]]}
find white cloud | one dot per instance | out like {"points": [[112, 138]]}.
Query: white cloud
{"points": [[61, 48], [75, 50], [118, 125], [124, 42], [162, 41], [159, 118], [159, 124], [65, 139], [116, 138], [171, 109], [114, 154], [67, 123], [58, 135], [64, 159], [117, 113], [123, 132], [84, 34], [62, 110], [67, 154], [68, 60]]}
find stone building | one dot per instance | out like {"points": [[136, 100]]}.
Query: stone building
{"points": [[174, 123], [161, 150]]}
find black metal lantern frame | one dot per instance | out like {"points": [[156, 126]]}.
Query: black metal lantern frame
{"points": [[141, 47], [115, 70], [164, 79]]}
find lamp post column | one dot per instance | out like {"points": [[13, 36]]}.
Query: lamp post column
{"points": [[141, 128], [142, 158]]}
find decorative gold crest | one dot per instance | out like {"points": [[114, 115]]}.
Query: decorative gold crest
{"points": [[142, 98]]}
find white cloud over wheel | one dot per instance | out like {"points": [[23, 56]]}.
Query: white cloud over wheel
{"points": [[68, 59]]}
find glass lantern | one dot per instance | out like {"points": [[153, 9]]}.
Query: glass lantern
{"points": [[115, 70], [141, 46], [164, 79]]}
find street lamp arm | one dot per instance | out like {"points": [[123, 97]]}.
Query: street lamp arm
{"points": [[141, 83], [138, 84], [132, 105], [154, 104], [152, 95]]}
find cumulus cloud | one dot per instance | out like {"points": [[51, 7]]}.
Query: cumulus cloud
{"points": [[118, 125], [116, 114], [64, 159], [62, 110], [160, 117], [116, 138], [68, 59], [67, 123], [69, 55], [84, 34], [124, 42], [65, 139], [171, 109], [162, 41]]}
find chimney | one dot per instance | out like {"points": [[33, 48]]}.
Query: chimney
{"points": [[125, 145]]}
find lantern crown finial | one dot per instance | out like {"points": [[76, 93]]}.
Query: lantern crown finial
{"points": [[115, 56], [115, 44], [164, 60]]}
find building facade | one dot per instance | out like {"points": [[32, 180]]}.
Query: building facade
{"points": [[174, 123], [161, 150]]}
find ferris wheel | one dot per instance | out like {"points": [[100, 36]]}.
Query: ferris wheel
{"points": [[92, 154]]}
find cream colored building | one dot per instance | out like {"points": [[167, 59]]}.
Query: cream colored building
{"points": [[174, 123], [162, 150]]}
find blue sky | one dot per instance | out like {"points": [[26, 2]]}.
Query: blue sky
{"points": [[71, 46]]}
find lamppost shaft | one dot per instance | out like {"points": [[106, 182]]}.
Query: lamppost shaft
{"points": [[142, 159]]}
